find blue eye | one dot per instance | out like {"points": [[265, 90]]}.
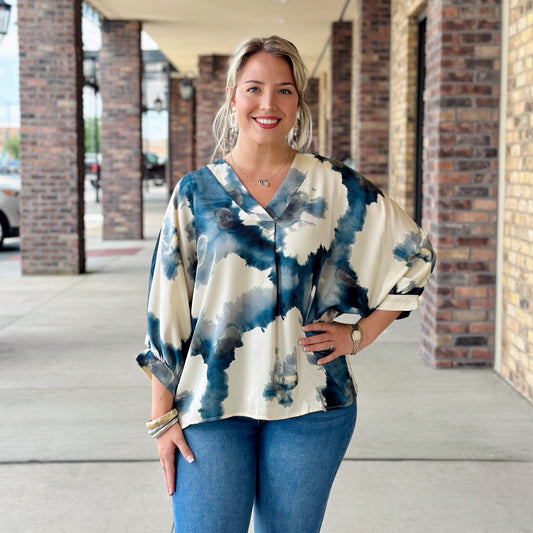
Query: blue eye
{"points": [[252, 90], [285, 91]]}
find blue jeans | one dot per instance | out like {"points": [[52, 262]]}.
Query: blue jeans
{"points": [[283, 469]]}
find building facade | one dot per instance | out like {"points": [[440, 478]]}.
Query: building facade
{"points": [[460, 147], [430, 99]]}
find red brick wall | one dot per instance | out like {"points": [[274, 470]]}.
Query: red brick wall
{"points": [[51, 146], [372, 100], [339, 130], [120, 84], [210, 95], [460, 179], [182, 132]]}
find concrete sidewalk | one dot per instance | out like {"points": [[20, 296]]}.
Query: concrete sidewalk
{"points": [[440, 451]]}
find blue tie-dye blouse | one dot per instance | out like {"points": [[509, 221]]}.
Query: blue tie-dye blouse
{"points": [[232, 284]]}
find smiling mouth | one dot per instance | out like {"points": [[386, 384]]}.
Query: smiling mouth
{"points": [[269, 122]]}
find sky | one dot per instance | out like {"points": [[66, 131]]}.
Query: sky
{"points": [[9, 62]]}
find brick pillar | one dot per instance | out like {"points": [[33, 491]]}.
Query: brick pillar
{"points": [[182, 132], [371, 146], [312, 97], [51, 145], [211, 92], [339, 142], [517, 243], [120, 84], [404, 111], [460, 180]]}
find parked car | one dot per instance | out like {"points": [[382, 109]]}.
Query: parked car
{"points": [[9, 207], [9, 166], [154, 169]]}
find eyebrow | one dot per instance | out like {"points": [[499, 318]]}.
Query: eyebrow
{"points": [[257, 82]]}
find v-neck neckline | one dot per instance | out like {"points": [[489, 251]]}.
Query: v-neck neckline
{"points": [[277, 205]]}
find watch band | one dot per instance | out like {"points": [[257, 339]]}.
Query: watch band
{"points": [[356, 338]]}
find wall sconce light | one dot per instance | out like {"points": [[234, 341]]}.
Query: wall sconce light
{"points": [[158, 104], [5, 14], [186, 89], [89, 72]]}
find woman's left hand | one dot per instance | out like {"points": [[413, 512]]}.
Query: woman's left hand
{"points": [[335, 338]]}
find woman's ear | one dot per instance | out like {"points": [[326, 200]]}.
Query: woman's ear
{"points": [[230, 93]]}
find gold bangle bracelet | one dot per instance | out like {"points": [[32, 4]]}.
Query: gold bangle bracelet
{"points": [[162, 420], [162, 429]]}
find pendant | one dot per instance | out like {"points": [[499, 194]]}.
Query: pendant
{"points": [[264, 183]]}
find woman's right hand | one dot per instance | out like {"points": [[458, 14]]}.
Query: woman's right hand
{"points": [[166, 447]]}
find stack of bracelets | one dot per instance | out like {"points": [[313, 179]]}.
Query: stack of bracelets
{"points": [[158, 426]]}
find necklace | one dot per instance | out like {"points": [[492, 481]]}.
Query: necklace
{"points": [[262, 181]]}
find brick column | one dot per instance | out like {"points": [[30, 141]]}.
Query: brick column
{"points": [[371, 74], [120, 84], [51, 131], [460, 180], [339, 142], [182, 132], [312, 97], [404, 109], [211, 92], [517, 242]]}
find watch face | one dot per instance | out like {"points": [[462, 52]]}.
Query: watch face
{"points": [[356, 339]]}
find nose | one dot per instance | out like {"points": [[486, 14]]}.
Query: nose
{"points": [[268, 99]]}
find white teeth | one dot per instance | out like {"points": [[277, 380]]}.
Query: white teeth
{"points": [[267, 121]]}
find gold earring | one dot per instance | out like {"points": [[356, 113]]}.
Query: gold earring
{"points": [[233, 126], [296, 129]]}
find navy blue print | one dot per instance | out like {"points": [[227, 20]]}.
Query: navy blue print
{"points": [[184, 400], [244, 315], [233, 283], [414, 247], [170, 254], [283, 380]]}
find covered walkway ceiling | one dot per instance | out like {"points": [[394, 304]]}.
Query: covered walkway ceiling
{"points": [[185, 29]]}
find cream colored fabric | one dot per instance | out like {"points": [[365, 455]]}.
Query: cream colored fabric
{"points": [[233, 283]]}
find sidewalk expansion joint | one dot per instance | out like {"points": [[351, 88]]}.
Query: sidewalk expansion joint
{"points": [[32, 462], [432, 460], [346, 459]]}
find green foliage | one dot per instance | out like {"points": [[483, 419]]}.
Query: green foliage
{"points": [[92, 135], [11, 146]]}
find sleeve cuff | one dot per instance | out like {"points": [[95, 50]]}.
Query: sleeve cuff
{"points": [[400, 302], [153, 366]]}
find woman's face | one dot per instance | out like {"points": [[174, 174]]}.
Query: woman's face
{"points": [[266, 100]]}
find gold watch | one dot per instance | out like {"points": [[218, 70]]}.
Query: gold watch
{"points": [[356, 338]]}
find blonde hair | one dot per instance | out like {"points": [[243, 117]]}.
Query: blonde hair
{"points": [[300, 136]]}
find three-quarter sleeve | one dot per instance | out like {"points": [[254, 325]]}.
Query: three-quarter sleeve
{"points": [[393, 257], [169, 324]]}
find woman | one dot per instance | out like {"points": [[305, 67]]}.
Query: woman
{"points": [[253, 399]]}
